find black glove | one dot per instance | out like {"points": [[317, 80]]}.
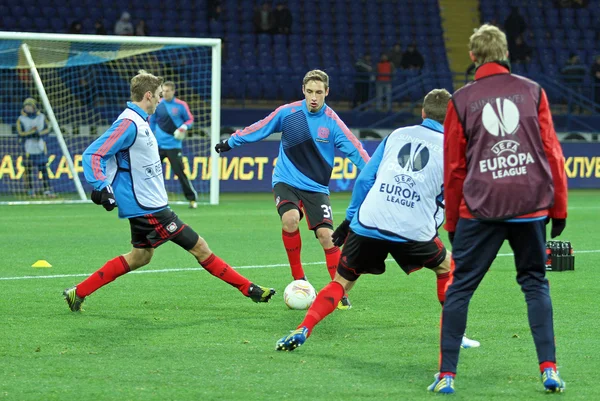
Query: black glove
{"points": [[223, 146], [105, 197], [558, 225], [451, 237], [340, 233]]}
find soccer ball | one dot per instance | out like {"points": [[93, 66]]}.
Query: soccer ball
{"points": [[299, 294]]}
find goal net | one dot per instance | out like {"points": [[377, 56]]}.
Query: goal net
{"points": [[75, 86]]}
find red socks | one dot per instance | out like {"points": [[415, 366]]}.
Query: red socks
{"points": [[324, 304], [546, 365], [332, 258], [218, 268], [442, 285], [293, 245], [109, 272]]}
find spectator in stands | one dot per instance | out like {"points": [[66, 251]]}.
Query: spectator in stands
{"points": [[573, 74], [283, 19], [99, 27], [520, 52], [514, 25], [264, 20], [211, 8], [76, 27], [141, 29], [362, 78], [574, 71], [124, 25], [395, 55], [383, 86], [33, 127], [412, 58], [215, 13], [595, 70]]}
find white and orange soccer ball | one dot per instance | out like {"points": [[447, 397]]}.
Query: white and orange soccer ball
{"points": [[299, 294]]}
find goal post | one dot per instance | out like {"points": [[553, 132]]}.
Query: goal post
{"points": [[81, 84]]}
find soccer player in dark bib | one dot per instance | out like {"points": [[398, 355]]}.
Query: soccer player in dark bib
{"points": [[310, 132], [504, 179], [124, 167]]}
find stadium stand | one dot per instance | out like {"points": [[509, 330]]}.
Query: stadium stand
{"points": [[332, 35]]}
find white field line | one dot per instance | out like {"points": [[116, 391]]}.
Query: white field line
{"points": [[188, 269]]}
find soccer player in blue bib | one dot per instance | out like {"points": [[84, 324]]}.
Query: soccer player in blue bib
{"points": [[396, 208], [170, 123], [310, 132], [125, 170]]}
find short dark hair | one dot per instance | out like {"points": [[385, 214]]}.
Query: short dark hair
{"points": [[435, 104]]}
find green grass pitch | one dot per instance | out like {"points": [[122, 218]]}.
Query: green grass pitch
{"points": [[177, 333]]}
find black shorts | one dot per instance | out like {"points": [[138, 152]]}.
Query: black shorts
{"points": [[316, 205], [152, 230], [364, 255]]}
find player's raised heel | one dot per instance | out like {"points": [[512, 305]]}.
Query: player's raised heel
{"points": [[552, 381], [72, 299], [293, 340], [344, 303], [442, 385], [260, 294]]}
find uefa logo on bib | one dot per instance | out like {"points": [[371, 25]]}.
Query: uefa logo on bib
{"points": [[502, 121], [413, 160]]}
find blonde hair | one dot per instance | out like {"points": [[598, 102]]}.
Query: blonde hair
{"points": [[488, 43], [144, 82], [170, 84], [435, 104], [316, 75]]}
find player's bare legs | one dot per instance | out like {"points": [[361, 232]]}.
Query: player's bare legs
{"points": [[201, 250], [443, 281], [290, 220], [220, 269], [332, 259], [324, 237], [292, 241], [138, 257]]}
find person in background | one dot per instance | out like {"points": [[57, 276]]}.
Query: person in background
{"points": [[141, 29], [124, 26], [412, 59], [383, 85], [170, 124], [99, 28], [283, 19], [362, 80], [33, 127]]}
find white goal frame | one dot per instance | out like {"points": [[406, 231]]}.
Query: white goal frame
{"points": [[215, 96]]}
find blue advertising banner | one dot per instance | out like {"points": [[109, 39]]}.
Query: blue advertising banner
{"points": [[249, 168]]}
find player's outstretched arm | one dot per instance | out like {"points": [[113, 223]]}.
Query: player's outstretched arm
{"points": [[260, 129]]}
